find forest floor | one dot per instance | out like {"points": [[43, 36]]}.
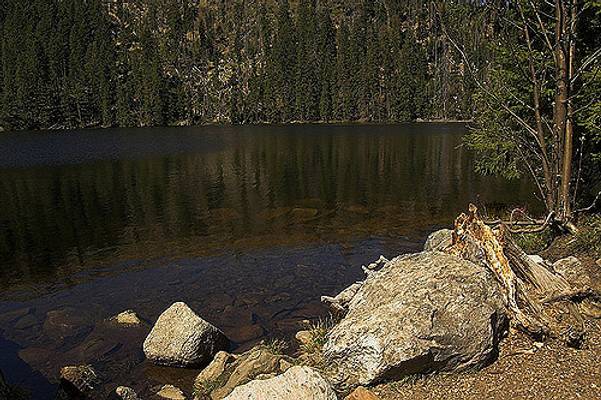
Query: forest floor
{"points": [[524, 369]]}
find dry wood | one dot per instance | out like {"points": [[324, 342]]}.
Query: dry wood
{"points": [[534, 293]]}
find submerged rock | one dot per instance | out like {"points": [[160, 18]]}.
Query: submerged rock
{"points": [[78, 381], [439, 240], [127, 318], [423, 312], [180, 338], [298, 383]]}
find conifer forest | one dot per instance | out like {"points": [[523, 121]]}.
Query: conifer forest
{"points": [[103, 63]]}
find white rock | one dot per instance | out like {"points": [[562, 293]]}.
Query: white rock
{"points": [[421, 313], [297, 383]]}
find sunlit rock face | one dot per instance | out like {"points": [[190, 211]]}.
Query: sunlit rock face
{"points": [[180, 338], [420, 313], [438, 240], [298, 383]]}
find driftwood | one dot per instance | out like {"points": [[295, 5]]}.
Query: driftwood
{"points": [[541, 302]]}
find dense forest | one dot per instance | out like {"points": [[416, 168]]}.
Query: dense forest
{"points": [[100, 63]]}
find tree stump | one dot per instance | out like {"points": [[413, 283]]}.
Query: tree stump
{"points": [[540, 301]]}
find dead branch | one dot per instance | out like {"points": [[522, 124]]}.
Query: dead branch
{"points": [[591, 207]]}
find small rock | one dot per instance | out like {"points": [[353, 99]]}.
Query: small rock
{"points": [[439, 240], [298, 383], [227, 371], [126, 393], [79, 380], [212, 372], [304, 337], [285, 365], [180, 338], [65, 323], [598, 262], [127, 318], [361, 394], [171, 392]]}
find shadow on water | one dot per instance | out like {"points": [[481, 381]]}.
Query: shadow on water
{"points": [[248, 225], [20, 374]]}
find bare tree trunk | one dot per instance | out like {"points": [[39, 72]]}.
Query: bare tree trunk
{"points": [[568, 150], [560, 108]]}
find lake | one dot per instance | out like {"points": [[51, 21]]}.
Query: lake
{"points": [[248, 225]]}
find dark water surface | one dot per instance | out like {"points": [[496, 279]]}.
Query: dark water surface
{"points": [[248, 225]]}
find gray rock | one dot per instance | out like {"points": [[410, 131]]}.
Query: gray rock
{"points": [[298, 383], [439, 240], [180, 338], [423, 312], [574, 272]]}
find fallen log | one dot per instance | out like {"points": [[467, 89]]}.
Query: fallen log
{"points": [[535, 295]]}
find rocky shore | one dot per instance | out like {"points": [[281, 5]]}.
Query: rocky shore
{"points": [[429, 314]]}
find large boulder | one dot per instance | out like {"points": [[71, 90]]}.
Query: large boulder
{"points": [[420, 313], [298, 383], [439, 240], [180, 338]]}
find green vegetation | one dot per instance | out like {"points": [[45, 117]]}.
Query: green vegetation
{"points": [[537, 104], [99, 63], [534, 243]]}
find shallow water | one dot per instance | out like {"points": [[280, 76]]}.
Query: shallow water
{"points": [[248, 225]]}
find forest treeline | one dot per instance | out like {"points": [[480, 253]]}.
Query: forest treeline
{"points": [[101, 63]]}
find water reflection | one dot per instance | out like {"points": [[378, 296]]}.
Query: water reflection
{"points": [[260, 186], [248, 225]]}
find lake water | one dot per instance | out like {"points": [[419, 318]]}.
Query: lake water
{"points": [[248, 225]]}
